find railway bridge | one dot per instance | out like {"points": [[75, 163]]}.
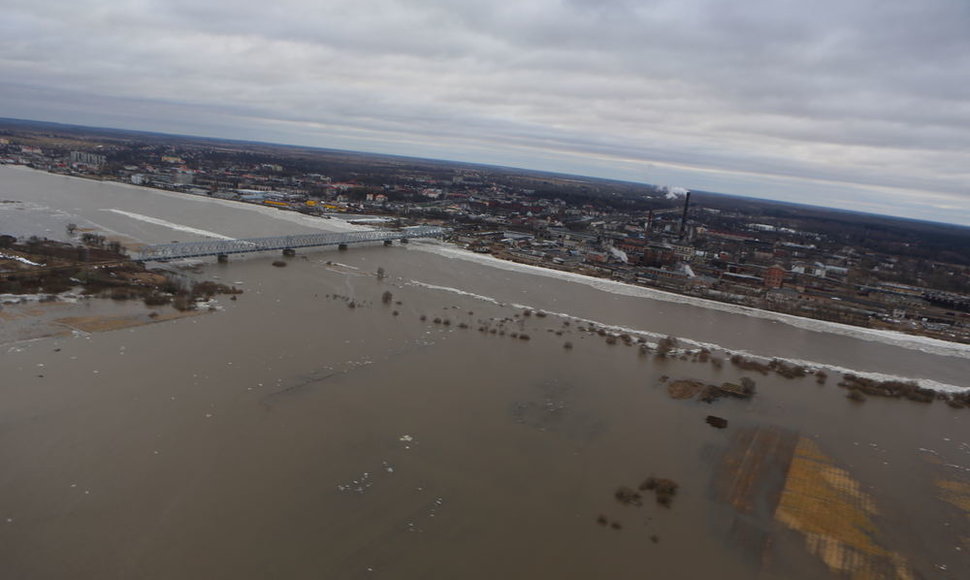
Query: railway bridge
{"points": [[288, 244]]}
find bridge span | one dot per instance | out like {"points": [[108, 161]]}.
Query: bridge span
{"points": [[287, 244]]}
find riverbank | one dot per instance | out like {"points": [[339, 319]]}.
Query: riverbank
{"points": [[50, 288]]}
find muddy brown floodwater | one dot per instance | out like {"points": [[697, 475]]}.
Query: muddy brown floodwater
{"points": [[290, 435]]}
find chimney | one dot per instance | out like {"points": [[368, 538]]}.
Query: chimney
{"points": [[683, 218]]}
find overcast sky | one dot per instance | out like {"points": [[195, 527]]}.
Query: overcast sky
{"points": [[861, 104]]}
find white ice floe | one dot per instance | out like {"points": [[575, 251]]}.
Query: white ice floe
{"points": [[20, 259], [907, 341], [170, 225], [653, 337]]}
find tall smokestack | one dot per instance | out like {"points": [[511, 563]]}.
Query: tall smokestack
{"points": [[683, 218]]}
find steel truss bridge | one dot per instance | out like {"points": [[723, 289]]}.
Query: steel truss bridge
{"points": [[288, 244]]}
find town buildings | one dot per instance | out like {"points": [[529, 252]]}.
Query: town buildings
{"points": [[629, 233]]}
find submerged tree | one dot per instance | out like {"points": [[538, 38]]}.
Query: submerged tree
{"points": [[666, 344]]}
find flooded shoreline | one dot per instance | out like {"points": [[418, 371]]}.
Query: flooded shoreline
{"points": [[290, 434]]}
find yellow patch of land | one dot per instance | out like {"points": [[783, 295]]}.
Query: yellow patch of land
{"points": [[684, 389], [956, 493], [829, 507], [27, 311], [108, 323]]}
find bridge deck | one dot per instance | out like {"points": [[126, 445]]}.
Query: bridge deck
{"points": [[246, 245]]}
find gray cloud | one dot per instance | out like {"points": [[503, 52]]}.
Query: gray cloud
{"points": [[864, 103]]}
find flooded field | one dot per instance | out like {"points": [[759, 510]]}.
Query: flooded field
{"points": [[478, 422]]}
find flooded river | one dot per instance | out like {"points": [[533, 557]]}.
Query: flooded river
{"points": [[311, 430]]}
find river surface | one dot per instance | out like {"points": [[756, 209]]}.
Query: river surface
{"points": [[289, 435]]}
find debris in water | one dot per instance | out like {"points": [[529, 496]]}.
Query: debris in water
{"points": [[716, 422]]}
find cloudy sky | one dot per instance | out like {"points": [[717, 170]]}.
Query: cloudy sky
{"points": [[862, 104]]}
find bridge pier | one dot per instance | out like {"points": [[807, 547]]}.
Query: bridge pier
{"points": [[342, 246], [222, 258], [289, 252]]}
